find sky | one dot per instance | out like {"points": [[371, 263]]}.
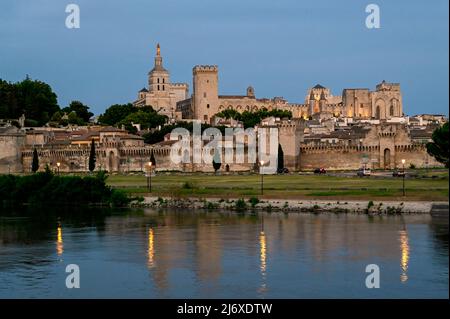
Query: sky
{"points": [[281, 47]]}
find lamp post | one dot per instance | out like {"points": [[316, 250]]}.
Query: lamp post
{"points": [[58, 165], [261, 163], [403, 164], [149, 177]]}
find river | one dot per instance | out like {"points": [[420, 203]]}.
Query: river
{"points": [[146, 253]]}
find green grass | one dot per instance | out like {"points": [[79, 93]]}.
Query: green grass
{"points": [[286, 186]]}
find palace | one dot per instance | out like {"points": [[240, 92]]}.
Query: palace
{"points": [[385, 102], [361, 127]]}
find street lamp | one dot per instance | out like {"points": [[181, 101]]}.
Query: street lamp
{"points": [[149, 177], [403, 163], [261, 163], [58, 165]]}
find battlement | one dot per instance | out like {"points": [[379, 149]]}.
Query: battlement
{"points": [[205, 68], [180, 85]]}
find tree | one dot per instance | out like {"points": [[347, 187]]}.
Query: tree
{"points": [[74, 119], [116, 113], [35, 163], [146, 117], [81, 110], [439, 148], [56, 117], [216, 161], [92, 157], [250, 119], [280, 163]]}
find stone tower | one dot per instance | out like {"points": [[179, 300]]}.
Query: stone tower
{"points": [[322, 102], [205, 97], [290, 134], [312, 104], [158, 77]]}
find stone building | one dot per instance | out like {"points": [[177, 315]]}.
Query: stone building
{"points": [[378, 146], [161, 94], [382, 104]]}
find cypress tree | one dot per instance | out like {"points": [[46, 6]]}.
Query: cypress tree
{"points": [[35, 163], [92, 158], [280, 158]]}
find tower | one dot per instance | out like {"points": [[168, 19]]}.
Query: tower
{"points": [[312, 103], [205, 92], [158, 77], [322, 102]]}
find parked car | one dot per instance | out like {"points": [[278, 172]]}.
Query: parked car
{"points": [[283, 170], [320, 171], [398, 173], [363, 172]]}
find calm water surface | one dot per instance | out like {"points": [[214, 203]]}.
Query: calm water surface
{"points": [[187, 254]]}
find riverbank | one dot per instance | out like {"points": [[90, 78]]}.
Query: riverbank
{"points": [[287, 187], [290, 205]]}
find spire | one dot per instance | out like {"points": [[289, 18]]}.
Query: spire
{"points": [[158, 60]]}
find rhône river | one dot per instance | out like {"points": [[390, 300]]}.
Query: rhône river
{"points": [[145, 253]]}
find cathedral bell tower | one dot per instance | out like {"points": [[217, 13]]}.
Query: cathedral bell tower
{"points": [[158, 77]]}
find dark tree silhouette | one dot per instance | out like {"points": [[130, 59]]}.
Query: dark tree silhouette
{"points": [[35, 163], [280, 165], [92, 157], [439, 148]]}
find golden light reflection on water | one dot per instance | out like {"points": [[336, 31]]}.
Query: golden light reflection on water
{"points": [[59, 241], [404, 246], [263, 259], [151, 249]]}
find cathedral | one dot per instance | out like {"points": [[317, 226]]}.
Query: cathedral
{"points": [[161, 94], [173, 100]]}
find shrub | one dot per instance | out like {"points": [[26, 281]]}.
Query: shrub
{"points": [[370, 204], [119, 198], [240, 204], [253, 201], [46, 188], [188, 185]]}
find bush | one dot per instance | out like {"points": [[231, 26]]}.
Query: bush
{"points": [[119, 198], [253, 201], [188, 185], [46, 188], [240, 204]]}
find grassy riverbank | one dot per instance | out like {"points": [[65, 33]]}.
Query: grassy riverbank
{"points": [[293, 186]]}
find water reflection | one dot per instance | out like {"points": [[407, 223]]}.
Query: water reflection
{"points": [[189, 254], [59, 241], [151, 249], [404, 247]]}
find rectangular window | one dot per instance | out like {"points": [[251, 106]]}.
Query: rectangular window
{"points": [[204, 94]]}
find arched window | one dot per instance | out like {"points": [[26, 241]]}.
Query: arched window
{"points": [[158, 87], [163, 86], [377, 112], [391, 111], [164, 80], [158, 80]]}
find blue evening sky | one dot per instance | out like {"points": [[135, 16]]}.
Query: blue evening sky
{"points": [[280, 47]]}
